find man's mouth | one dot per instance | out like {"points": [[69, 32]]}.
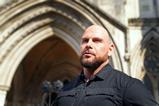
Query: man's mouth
{"points": [[88, 53]]}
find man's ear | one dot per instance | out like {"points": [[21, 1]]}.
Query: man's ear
{"points": [[111, 48]]}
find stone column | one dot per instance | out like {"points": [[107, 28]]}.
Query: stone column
{"points": [[3, 94]]}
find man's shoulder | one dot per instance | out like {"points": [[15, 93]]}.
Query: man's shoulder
{"points": [[125, 79], [115, 73], [121, 74]]}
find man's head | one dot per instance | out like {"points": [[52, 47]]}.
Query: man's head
{"points": [[96, 47]]}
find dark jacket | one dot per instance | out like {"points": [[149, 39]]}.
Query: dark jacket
{"points": [[108, 88]]}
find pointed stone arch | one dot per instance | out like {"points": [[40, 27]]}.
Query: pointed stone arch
{"points": [[145, 59], [150, 43], [150, 38], [24, 24]]}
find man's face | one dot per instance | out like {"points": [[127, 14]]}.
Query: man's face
{"points": [[95, 47]]}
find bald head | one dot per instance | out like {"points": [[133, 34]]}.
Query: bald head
{"points": [[97, 30]]}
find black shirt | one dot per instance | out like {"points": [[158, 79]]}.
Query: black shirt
{"points": [[107, 88]]}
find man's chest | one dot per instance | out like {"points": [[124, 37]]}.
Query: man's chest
{"points": [[92, 94]]}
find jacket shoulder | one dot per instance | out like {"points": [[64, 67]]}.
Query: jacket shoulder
{"points": [[123, 80]]}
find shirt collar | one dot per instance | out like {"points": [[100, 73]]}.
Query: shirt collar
{"points": [[82, 77], [100, 75]]}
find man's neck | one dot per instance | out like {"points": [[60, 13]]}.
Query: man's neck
{"points": [[89, 73]]}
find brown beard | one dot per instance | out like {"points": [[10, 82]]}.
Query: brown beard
{"points": [[91, 66]]}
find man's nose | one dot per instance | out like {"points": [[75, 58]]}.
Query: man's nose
{"points": [[89, 43]]}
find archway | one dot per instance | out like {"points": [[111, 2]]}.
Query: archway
{"points": [[25, 24], [145, 61], [51, 60]]}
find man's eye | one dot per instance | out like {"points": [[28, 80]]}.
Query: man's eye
{"points": [[97, 40], [84, 41]]}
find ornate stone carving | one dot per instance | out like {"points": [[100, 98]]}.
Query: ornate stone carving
{"points": [[23, 19]]}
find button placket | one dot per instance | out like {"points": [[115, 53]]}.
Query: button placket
{"points": [[80, 94]]}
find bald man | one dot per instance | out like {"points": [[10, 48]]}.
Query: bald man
{"points": [[99, 84]]}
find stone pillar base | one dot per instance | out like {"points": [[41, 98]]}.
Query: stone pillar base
{"points": [[2, 97]]}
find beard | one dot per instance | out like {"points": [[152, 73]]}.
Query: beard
{"points": [[93, 65]]}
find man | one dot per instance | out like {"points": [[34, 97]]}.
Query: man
{"points": [[99, 84]]}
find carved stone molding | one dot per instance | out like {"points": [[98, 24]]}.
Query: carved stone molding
{"points": [[143, 22], [150, 43], [24, 24], [27, 23], [144, 58], [22, 18]]}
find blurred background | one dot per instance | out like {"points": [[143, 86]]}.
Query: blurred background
{"points": [[39, 44]]}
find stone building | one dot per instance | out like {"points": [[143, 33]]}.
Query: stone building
{"points": [[39, 40]]}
